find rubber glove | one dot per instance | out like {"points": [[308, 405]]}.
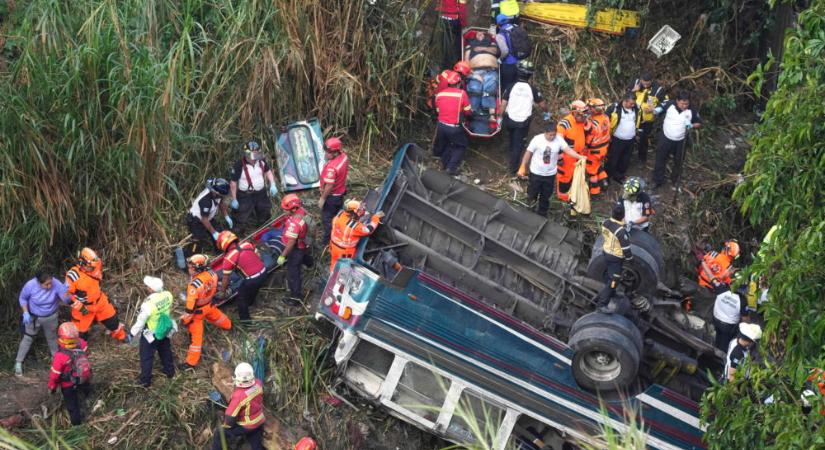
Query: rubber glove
{"points": [[547, 117], [522, 171], [27, 318], [273, 190], [215, 235], [234, 203], [229, 222], [281, 260]]}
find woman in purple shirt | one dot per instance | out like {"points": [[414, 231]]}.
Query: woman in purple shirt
{"points": [[39, 300]]}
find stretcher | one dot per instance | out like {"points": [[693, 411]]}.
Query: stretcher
{"points": [[485, 121], [267, 240], [299, 151], [612, 21]]}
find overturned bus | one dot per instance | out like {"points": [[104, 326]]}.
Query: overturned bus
{"points": [[455, 314]]}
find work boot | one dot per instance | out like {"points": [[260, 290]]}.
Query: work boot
{"points": [[18, 369]]}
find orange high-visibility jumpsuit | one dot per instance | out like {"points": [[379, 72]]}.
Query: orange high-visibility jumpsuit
{"points": [[597, 140], [198, 307], [90, 302], [346, 232], [719, 264], [573, 133]]}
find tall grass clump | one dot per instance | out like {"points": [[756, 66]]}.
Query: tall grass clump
{"points": [[115, 112]]}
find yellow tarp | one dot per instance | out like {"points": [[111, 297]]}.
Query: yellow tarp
{"points": [[580, 190], [613, 21]]}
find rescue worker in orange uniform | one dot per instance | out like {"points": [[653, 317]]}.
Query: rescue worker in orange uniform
{"points": [[716, 268], [199, 306], [89, 303], [295, 252], [596, 142], [573, 128], [347, 230]]}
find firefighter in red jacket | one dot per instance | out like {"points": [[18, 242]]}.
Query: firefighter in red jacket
{"points": [[244, 415], [295, 252], [452, 18], [64, 372], [333, 182], [452, 104]]}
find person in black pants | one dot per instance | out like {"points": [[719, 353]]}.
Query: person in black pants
{"points": [[648, 94], [517, 104], [452, 18], [616, 251], [152, 320], [624, 121], [541, 157], [679, 118]]}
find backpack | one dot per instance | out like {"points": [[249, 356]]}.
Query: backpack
{"points": [[163, 327], [519, 42], [80, 370]]}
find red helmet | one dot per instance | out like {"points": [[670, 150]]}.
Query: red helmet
{"points": [[290, 202], [333, 144], [306, 443], [462, 67], [224, 239], [451, 77], [67, 332]]}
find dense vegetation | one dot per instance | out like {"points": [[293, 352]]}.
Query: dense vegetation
{"points": [[785, 174], [114, 112]]}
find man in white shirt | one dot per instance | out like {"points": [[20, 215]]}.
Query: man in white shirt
{"points": [[517, 104], [247, 184], [542, 155], [728, 310], [624, 121], [201, 217], [679, 119]]}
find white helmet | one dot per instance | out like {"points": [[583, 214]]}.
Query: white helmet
{"points": [[244, 375], [750, 331]]}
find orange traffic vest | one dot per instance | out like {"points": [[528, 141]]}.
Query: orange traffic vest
{"points": [[719, 264], [347, 230], [85, 286], [574, 134], [201, 290], [599, 135]]}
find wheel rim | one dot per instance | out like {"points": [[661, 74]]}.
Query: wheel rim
{"points": [[600, 366], [630, 279]]}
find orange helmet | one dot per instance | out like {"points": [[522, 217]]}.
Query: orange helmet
{"points": [[199, 261], [354, 206], [67, 334], [306, 443], [462, 67], [224, 239], [290, 202], [732, 248], [87, 256], [333, 144], [596, 104], [578, 106], [451, 77]]}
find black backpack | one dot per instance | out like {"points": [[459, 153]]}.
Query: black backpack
{"points": [[520, 46]]}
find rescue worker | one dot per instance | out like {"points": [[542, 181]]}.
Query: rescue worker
{"points": [[152, 328], [452, 19], [573, 128], [648, 95], [716, 268], [439, 83], [333, 183], [39, 300], [616, 251], [89, 303], [679, 119], [542, 156], [728, 310], [638, 207], [199, 294], [508, 69], [739, 349], [517, 104], [247, 184], [201, 216], [451, 105], [597, 140], [63, 372], [624, 121], [243, 257], [295, 251], [244, 415], [347, 230]]}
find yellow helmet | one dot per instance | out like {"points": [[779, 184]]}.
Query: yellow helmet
{"points": [[354, 206]]}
